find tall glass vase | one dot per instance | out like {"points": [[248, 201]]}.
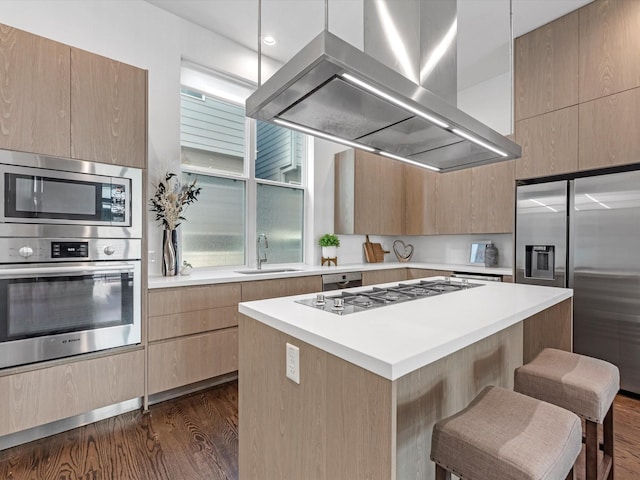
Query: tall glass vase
{"points": [[169, 253]]}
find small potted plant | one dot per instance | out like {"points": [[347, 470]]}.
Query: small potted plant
{"points": [[329, 243]]}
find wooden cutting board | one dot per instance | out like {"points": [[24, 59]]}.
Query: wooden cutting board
{"points": [[368, 251], [373, 252]]}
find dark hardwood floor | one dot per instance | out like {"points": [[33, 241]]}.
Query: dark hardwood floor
{"points": [[193, 437], [196, 438]]}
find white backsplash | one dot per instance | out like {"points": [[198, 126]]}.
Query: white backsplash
{"points": [[450, 249]]}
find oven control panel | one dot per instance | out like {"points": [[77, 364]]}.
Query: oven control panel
{"points": [[69, 249], [38, 250]]}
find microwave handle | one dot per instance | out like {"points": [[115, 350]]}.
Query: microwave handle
{"points": [[58, 270]]}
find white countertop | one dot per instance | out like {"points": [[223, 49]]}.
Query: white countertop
{"points": [[210, 276], [394, 340]]}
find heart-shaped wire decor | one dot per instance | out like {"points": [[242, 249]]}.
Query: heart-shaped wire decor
{"points": [[403, 251]]}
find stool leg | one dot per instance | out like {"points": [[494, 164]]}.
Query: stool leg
{"points": [[608, 437], [592, 446], [442, 474]]}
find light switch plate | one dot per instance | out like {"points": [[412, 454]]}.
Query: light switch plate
{"points": [[293, 363]]}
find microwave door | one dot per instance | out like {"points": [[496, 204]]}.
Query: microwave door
{"points": [[541, 233]]}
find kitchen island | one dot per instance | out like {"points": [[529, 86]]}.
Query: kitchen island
{"points": [[373, 383]]}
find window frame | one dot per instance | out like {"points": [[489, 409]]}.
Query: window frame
{"points": [[251, 187]]}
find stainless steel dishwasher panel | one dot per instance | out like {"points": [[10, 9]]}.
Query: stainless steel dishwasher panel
{"points": [[338, 281]]}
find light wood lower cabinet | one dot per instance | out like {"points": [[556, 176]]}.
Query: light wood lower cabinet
{"points": [[38, 397], [175, 363], [413, 273], [384, 276], [192, 334], [281, 287]]}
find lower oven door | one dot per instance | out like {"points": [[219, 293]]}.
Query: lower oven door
{"points": [[57, 310]]}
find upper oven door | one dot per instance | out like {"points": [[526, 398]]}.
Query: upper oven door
{"points": [[35, 195]]}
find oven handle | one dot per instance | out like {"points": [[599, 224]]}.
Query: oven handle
{"points": [[57, 270]]}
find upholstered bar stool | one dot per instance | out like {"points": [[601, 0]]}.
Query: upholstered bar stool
{"points": [[508, 436], [584, 385]]}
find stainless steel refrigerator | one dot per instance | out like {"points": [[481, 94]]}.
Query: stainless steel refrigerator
{"points": [[584, 234]]}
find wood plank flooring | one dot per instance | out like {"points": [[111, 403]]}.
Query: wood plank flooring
{"points": [[196, 438]]}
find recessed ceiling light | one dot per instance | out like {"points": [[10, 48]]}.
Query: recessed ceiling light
{"points": [[269, 40]]}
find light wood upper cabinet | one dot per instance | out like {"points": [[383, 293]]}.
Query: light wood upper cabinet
{"points": [[108, 110], [609, 48], [493, 198], [369, 194], [34, 93], [549, 144], [546, 67], [420, 201], [453, 212], [609, 129]]}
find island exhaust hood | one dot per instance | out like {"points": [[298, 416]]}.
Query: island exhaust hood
{"points": [[332, 90]]}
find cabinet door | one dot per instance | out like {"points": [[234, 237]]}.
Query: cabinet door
{"points": [[108, 110], [414, 273], [281, 287], [186, 360], [34, 93], [378, 195], [549, 144], [376, 277], [609, 130], [493, 198], [609, 46], [36, 397], [419, 201], [453, 190], [546, 67]]}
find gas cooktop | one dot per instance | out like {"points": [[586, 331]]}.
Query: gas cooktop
{"points": [[351, 302]]}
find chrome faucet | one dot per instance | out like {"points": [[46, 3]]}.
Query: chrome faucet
{"points": [[262, 259]]}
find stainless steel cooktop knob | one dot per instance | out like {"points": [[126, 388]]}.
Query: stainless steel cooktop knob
{"points": [[109, 250], [320, 299], [25, 251], [338, 304]]}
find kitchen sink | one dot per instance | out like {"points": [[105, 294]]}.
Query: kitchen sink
{"points": [[267, 270]]}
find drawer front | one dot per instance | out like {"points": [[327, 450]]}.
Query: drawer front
{"points": [[41, 396], [189, 323], [414, 273], [166, 301], [384, 276], [187, 360]]}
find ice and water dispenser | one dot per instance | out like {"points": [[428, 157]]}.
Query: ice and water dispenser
{"points": [[540, 262]]}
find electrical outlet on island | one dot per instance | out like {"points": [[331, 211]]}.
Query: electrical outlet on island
{"points": [[293, 363]]}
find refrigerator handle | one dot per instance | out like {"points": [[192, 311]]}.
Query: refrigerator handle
{"points": [[571, 209]]}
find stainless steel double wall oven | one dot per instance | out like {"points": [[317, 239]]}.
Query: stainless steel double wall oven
{"points": [[70, 254]]}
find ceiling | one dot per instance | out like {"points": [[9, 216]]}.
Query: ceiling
{"points": [[483, 28]]}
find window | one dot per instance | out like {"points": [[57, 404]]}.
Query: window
{"points": [[238, 201], [215, 231], [281, 219]]}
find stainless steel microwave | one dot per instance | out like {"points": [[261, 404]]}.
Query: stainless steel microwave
{"points": [[57, 197]]}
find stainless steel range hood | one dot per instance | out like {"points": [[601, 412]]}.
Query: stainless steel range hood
{"points": [[332, 88]]}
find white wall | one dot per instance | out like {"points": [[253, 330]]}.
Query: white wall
{"points": [[451, 249], [489, 102]]}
